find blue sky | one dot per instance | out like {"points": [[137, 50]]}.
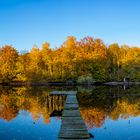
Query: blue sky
{"points": [[24, 23]]}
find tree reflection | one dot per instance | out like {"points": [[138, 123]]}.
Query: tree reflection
{"points": [[111, 102], [38, 102], [96, 104]]}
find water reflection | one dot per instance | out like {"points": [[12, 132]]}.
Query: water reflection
{"points": [[105, 108], [24, 108], [36, 102], [32, 113]]}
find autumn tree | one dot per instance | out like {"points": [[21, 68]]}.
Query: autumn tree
{"points": [[8, 59], [23, 65], [72, 60], [47, 65], [35, 66]]}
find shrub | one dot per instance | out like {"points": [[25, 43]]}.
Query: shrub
{"points": [[85, 80]]}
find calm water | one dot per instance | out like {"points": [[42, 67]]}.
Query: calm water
{"points": [[110, 113]]}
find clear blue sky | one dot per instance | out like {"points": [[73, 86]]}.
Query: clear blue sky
{"points": [[24, 23]]}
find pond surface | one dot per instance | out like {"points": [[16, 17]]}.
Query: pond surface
{"points": [[110, 113]]}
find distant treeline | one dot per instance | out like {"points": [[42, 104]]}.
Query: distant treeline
{"points": [[73, 60]]}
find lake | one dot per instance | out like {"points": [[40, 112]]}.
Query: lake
{"points": [[110, 113]]}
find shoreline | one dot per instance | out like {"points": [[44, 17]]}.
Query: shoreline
{"points": [[114, 83], [121, 83]]}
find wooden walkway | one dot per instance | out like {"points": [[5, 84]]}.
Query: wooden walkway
{"points": [[73, 126]]}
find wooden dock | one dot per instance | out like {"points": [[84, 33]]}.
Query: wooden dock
{"points": [[73, 126]]}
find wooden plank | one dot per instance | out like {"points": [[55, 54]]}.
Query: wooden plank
{"points": [[71, 97], [71, 113], [72, 102], [74, 122], [63, 92], [72, 126], [77, 117], [74, 135], [71, 106], [72, 119]]}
